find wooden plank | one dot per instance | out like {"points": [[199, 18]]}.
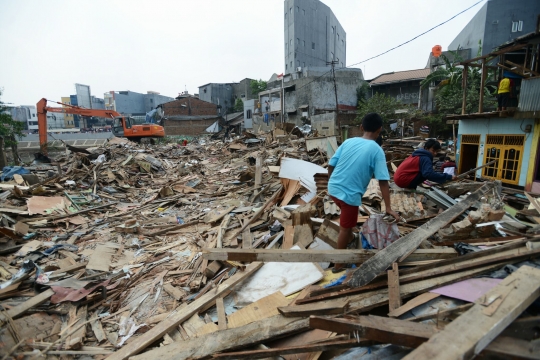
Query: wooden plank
{"points": [[335, 307], [76, 318], [299, 349], [394, 299], [260, 309], [222, 340], [247, 239], [282, 255], [222, 230], [174, 320], [303, 235], [470, 333], [174, 291], [380, 329], [417, 301], [407, 244], [397, 332], [28, 304], [100, 260], [288, 238], [222, 318]]}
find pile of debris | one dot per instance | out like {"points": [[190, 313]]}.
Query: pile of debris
{"points": [[223, 250]]}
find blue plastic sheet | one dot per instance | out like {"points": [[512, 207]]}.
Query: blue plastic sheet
{"points": [[9, 171]]}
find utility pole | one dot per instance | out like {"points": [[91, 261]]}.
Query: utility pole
{"points": [[333, 63]]}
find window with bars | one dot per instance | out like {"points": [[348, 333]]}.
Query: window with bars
{"points": [[470, 139]]}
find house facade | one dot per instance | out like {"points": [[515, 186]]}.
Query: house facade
{"points": [[189, 115]]}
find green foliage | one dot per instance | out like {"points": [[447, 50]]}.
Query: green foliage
{"points": [[362, 93], [239, 105], [10, 129], [386, 106], [257, 86]]}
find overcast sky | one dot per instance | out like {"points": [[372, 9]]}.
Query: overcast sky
{"points": [[172, 45]]}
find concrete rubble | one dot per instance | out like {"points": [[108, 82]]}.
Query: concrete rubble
{"points": [[223, 249]]}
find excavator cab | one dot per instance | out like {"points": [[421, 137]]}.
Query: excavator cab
{"points": [[119, 123]]}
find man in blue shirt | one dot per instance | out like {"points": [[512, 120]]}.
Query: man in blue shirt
{"points": [[350, 170]]}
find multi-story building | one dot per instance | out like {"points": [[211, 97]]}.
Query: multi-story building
{"points": [[224, 95], [133, 103], [69, 120], [497, 22], [26, 114], [313, 36]]}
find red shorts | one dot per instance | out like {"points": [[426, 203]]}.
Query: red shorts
{"points": [[349, 214]]}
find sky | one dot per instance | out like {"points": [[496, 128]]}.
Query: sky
{"points": [[174, 45]]}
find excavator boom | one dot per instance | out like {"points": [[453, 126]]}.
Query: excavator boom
{"points": [[122, 126]]}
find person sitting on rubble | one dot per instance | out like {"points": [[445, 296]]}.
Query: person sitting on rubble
{"points": [[449, 166], [439, 164], [418, 167], [350, 170]]}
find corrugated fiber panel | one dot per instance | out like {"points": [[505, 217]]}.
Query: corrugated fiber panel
{"points": [[529, 98]]}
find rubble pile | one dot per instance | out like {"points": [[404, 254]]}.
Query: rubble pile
{"points": [[223, 249]]}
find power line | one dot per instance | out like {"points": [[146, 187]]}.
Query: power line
{"points": [[395, 47]]}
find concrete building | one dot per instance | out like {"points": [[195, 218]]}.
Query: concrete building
{"points": [[69, 120], [224, 95], [55, 121], [26, 114], [313, 36], [497, 22], [133, 103], [307, 94]]}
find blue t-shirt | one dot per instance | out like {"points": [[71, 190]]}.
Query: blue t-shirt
{"points": [[355, 162]]}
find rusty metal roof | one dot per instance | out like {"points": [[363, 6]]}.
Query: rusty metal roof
{"points": [[400, 76]]}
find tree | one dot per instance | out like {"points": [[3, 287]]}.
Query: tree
{"points": [[381, 104], [10, 129], [362, 93], [257, 86], [239, 105]]}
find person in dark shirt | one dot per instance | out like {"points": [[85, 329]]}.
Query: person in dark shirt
{"points": [[449, 166], [438, 164]]}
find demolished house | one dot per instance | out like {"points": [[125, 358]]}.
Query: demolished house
{"points": [[223, 250]]}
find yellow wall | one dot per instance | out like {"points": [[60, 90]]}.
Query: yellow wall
{"points": [[532, 159], [68, 118]]}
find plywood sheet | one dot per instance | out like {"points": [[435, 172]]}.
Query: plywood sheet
{"points": [[40, 204], [272, 277], [260, 309], [468, 290]]}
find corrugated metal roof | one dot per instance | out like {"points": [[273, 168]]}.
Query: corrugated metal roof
{"points": [[400, 76], [529, 97]]}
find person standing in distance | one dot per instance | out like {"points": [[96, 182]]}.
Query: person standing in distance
{"points": [[350, 170]]}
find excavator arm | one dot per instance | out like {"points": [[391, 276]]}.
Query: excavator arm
{"points": [[43, 109]]}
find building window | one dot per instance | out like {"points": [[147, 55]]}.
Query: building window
{"points": [[304, 42], [303, 64], [248, 114], [298, 63], [285, 66], [304, 11], [291, 65], [285, 15], [338, 37], [332, 29], [342, 64], [312, 46], [298, 9], [517, 26], [290, 42], [342, 42], [332, 55], [290, 11], [297, 41], [33, 115]]}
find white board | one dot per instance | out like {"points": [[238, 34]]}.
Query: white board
{"points": [[288, 278], [302, 171]]}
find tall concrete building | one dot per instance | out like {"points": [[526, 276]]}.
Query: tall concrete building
{"points": [[497, 22], [313, 36]]}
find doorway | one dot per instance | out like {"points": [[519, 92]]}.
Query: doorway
{"points": [[468, 158], [536, 178]]}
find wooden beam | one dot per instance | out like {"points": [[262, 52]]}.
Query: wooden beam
{"points": [[470, 333], [28, 304], [417, 301], [394, 299], [340, 256], [182, 315], [464, 88], [407, 244], [222, 340], [299, 349], [222, 318], [380, 329], [398, 332], [482, 85], [332, 308]]}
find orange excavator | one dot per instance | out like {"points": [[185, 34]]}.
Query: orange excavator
{"points": [[122, 126]]}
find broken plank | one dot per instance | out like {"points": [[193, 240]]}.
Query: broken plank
{"points": [[174, 320], [394, 299], [288, 237], [332, 308], [174, 291], [260, 309], [101, 258], [222, 318], [299, 349], [222, 340], [417, 301], [407, 244], [470, 333], [28, 304]]}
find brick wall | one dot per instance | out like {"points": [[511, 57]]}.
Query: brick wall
{"points": [[187, 127], [189, 106]]}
